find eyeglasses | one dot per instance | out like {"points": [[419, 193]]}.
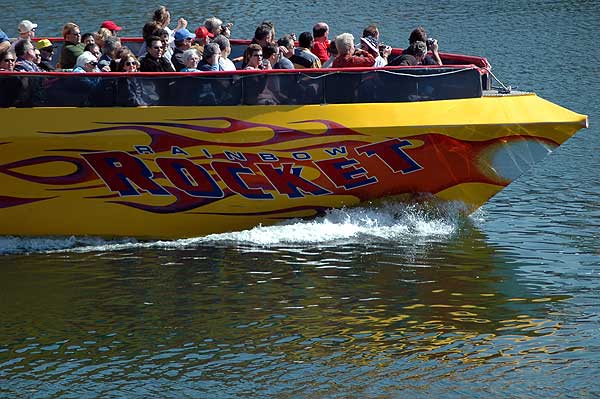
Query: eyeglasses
{"points": [[93, 63], [257, 55], [157, 47], [130, 63], [9, 60]]}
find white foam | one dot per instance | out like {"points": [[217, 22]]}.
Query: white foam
{"points": [[391, 221]]}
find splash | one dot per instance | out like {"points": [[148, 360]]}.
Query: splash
{"points": [[361, 225]]}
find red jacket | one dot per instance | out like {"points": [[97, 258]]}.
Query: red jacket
{"points": [[349, 61], [320, 50]]}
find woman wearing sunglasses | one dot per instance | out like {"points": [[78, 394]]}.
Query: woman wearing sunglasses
{"points": [[253, 57], [128, 63], [7, 60], [130, 91]]}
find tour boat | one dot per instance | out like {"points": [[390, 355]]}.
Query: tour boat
{"points": [[188, 154]]}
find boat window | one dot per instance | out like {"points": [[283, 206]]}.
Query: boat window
{"points": [[296, 88]]}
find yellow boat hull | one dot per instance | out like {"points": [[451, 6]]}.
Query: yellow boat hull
{"points": [[173, 172]]}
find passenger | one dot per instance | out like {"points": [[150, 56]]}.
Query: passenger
{"points": [[83, 86], [130, 91], [123, 51], [164, 37], [101, 36], [419, 34], [8, 60], [162, 17], [183, 42], [415, 54], [154, 61], [86, 62], [371, 45], [225, 46], [26, 30], [321, 43], [150, 29], [112, 45], [348, 56], [272, 53], [88, 38], [38, 58], [215, 26], [4, 41], [11, 87], [286, 49], [46, 52], [271, 25], [112, 27], [203, 37], [371, 31], [72, 47], [190, 59], [25, 57], [263, 34], [210, 58], [94, 49], [128, 63], [253, 57], [332, 51], [302, 57]]}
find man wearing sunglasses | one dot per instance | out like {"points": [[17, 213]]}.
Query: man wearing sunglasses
{"points": [[155, 61], [47, 52], [72, 47]]}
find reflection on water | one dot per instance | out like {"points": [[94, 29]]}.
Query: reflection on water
{"points": [[501, 305], [236, 317]]}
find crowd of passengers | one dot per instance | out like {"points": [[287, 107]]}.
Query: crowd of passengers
{"points": [[206, 49]]}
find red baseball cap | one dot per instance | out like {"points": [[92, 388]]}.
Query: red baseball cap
{"points": [[203, 32], [110, 25]]}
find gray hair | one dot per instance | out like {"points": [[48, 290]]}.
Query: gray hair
{"points": [[188, 54], [111, 43], [210, 49], [344, 43], [222, 41], [22, 47], [212, 23]]}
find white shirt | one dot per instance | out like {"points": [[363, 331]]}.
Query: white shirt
{"points": [[226, 64]]}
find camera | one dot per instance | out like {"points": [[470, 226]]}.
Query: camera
{"points": [[430, 42], [225, 29], [383, 48]]}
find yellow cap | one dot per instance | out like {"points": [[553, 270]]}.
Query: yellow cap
{"points": [[43, 44]]}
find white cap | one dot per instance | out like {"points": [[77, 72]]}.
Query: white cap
{"points": [[85, 58], [26, 26]]}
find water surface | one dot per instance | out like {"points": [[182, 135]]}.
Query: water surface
{"points": [[379, 302]]}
